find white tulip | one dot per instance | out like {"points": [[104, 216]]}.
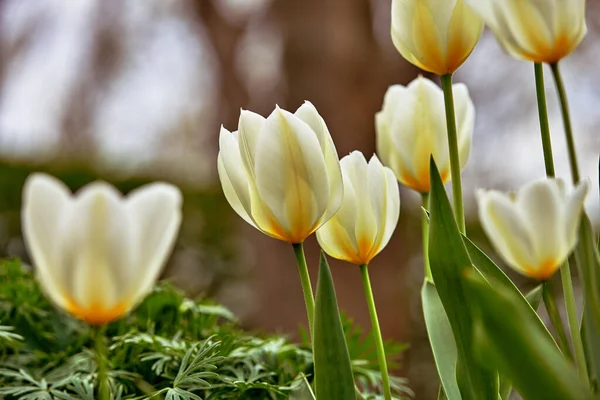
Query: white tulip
{"points": [[412, 126], [368, 215], [281, 174], [97, 253], [535, 30], [534, 229], [435, 35]]}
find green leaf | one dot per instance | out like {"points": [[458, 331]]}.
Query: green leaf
{"points": [[494, 274], [333, 370], [508, 338], [534, 298], [449, 261], [441, 340], [588, 264]]}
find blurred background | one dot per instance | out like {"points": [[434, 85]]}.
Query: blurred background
{"points": [[132, 91]]}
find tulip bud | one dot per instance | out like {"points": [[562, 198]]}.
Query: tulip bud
{"points": [[535, 229], [97, 253], [535, 30], [281, 174], [368, 215], [437, 36], [411, 127]]}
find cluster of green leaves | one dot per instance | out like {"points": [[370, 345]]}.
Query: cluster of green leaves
{"points": [[170, 347], [485, 335]]}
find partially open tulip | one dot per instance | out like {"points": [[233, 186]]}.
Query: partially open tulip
{"points": [[281, 174], [411, 127], [534, 229], [535, 30], [97, 253], [369, 213], [437, 36]]}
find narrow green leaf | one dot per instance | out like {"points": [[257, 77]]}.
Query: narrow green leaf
{"points": [[508, 338], [534, 296], [449, 261], [588, 263], [303, 391], [441, 340], [333, 369]]}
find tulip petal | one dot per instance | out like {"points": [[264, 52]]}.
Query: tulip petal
{"points": [[156, 210], [249, 127], [504, 227], [308, 113], [465, 118], [385, 201], [46, 203], [573, 210], [355, 167], [291, 174], [464, 30], [101, 251], [337, 236], [540, 204], [233, 176]]}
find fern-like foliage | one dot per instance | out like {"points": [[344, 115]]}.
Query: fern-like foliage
{"points": [[169, 348]]}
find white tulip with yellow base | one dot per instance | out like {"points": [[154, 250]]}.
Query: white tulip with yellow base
{"points": [[535, 30], [534, 229], [411, 127], [369, 213], [282, 175], [363, 227], [435, 35], [97, 253]]}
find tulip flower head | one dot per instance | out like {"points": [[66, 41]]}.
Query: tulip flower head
{"points": [[411, 127], [281, 174], [437, 36], [368, 215], [97, 253], [535, 30], [535, 229]]}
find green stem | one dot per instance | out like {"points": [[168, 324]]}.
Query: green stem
{"points": [[453, 148], [556, 320], [103, 384], [565, 275], [425, 232], [564, 107], [309, 300], [543, 114], [376, 332]]}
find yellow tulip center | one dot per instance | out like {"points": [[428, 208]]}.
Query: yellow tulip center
{"points": [[96, 314], [543, 272]]}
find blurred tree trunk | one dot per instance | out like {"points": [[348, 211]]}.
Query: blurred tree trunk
{"points": [[332, 58]]}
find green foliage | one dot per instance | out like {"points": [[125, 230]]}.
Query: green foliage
{"points": [[170, 347], [333, 368], [441, 339], [518, 347], [449, 261]]}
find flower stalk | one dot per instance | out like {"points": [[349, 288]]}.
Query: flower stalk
{"points": [[100, 347], [309, 299], [565, 275], [376, 332], [556, 320], [453, 148], [565, 270], [543, 115], [564, 106]]}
